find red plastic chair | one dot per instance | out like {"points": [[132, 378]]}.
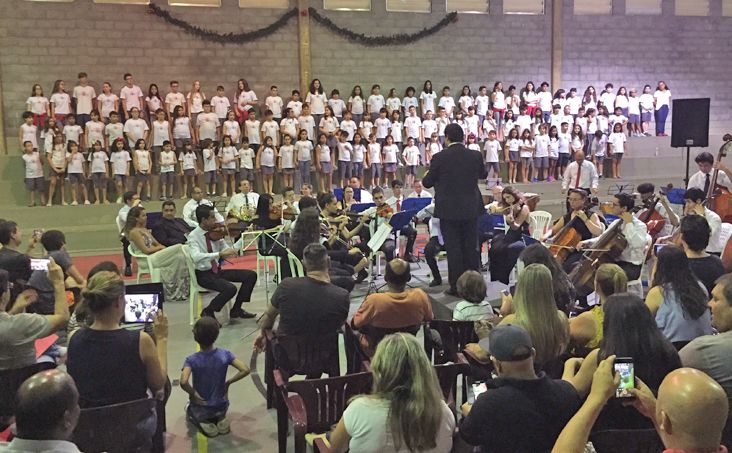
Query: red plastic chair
{"points": [[355, 354], [113, 428], [314, 405], [447, 375], [454, 336]]}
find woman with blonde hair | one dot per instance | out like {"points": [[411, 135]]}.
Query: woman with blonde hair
{"points": [[404, 412], [585, 330], [534, 309]]}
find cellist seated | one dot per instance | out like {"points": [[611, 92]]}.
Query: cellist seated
{"points": [[646, 191], [587, 225], [636, 235], [694, 205]]}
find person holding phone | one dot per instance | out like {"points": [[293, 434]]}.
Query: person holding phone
{"points": [[12, 259]]}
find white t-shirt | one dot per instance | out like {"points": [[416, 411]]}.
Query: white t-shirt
{"points": [[374, 153], [330, 125], [435, 148], [304, 149], [608, 100], [272, 129], [357, 103], [246, 158], [196, 100], [76, 163], [574, 103], [409, 102], [491, 150], [429, 127], [396, 131], [143, 159], [499, 100], [252, 130], [617, 140], [287, 157], [530, 98], [412, 124], [61, 103], [376, 103], [646, 102], [72, 134], [296, 107], [246, 97], [106, 103], [345, 150], [466, 102], [207, 124], [209, 159], [188, 160], [173, 100], [338, 106], [428, 101], [411, 155], [634, 105], [289, 127], [182, 127], [350, 127], [308, 124], [447, 103], [514, 144], [33, 166], [167, 161], [113, 133], [94, 132], [323, 153], [317, 102], [98, 160], [268, 157], [275, 104], [382, 127], [482, 103], [564, 140], [358, 152], [615, 119], [232, 129], [545, 101], [38, 104], [154, 103], [58, 156], [366, 128], [132, 96], [542, 146], [393, 104], [390, 154], [662, 98], [526, 152], [553, 148], [366, 420], [621, 101], [30, 134], [135, 130], [161, 132], [472, 122], [221, 106], [228, 155]]}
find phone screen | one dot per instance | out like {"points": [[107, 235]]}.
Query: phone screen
{"points": [[624, 367], [39, 264], [477, 389], [141, 308], [506, 292], [658, 248]]}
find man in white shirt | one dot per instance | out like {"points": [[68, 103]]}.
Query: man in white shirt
{"points": [[419, 191], [206, 255], [46, 414], [635, 232], [693, 205], [435, 245], [647, 192], [703, 178], [131, 199], [360, 194], [395, 201], [189, 209], [243, 205], [580, 174], [86, 99]]}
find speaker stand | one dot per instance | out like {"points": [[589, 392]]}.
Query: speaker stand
{"points": [[686, 178]]}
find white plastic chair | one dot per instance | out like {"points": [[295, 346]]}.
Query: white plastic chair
{"points": [[195, 292], [636, 286], [539, 223], [296, 267], [144, 265]]}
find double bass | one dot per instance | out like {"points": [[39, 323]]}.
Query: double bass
{"points": [[719, 198], [606, 249], [566, 240]]}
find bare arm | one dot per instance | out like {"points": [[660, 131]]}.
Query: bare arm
{"points": [[339, 438]]}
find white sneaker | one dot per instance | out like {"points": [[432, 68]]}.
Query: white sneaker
{"points": [[223, 426], [86, 202], [73, 203], [119, 200], [224, 195]]}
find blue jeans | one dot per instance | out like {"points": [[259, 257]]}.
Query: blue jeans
{"points": [[660, 116], [545, 116]]}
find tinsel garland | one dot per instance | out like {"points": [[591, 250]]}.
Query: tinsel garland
{"points": [[222, 38], [378, 41]]}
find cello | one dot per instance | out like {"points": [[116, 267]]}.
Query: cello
{"points": [[566, 240], [606, 249], [719, 198], [654, 221]]}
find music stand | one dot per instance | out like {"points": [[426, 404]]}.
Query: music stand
{"points": [[338, 192], [412, 204], [621, 188], [399, 221], [361, 207]]}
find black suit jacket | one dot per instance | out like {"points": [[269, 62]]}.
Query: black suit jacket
{"points": [[171, 232], [454, 173]]}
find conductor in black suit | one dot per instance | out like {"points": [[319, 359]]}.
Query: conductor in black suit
{"points": [[454, 173]]}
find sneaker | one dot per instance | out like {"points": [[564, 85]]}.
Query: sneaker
{"points": [[73, 203], [119, 200], [362, 275], [550, 179], [86, 202], [223, 426], [208, 429], [162, 198], [48, 204], [240, 313], [435, 282], [224, 195], [535, 180]]}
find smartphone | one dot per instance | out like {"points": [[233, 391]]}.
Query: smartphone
{"points": [[477, 389], [624, 367], [506, 292], [39, 264]]}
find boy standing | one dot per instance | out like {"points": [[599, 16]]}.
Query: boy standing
{"points": [[220, 104], [34, 181]]}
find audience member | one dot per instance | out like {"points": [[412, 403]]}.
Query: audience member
{"points": [[306, 306], [585, 330], [677, 300], [82, 316], [472, 288], [521, 411], [11, 259], [398, 308], [405, 410], [46, 414], [564, 293], [167, 262], [170, 230], [695, 233], [18, 330], [54, 242], [131, 199], [712, 354], [209, 394]]}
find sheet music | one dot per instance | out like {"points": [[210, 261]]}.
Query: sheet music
{"points": [[379, 237]]}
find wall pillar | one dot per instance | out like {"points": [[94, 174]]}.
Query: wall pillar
{"points": [[557, 7], [4, 150], [303, 27]]}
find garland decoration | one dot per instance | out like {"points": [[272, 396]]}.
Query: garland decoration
{"points": [[378, 41], [222, 38]]}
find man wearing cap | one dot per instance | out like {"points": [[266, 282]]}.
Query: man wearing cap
{"points": [[521, 411]]}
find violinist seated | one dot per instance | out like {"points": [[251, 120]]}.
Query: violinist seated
{"points": [[694, 205], [348, 199], [243, 205], [306, 191], [635, 232], [338, 235], [380, 215], [646, 191], [289, 208], [585, 223], [506, 248], [703, 178], [395, 201]]}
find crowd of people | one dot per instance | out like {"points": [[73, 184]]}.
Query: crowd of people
{"points": [[108, 143]]}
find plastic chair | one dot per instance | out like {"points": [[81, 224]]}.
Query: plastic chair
{"points": [[114, 428], [539, 222], [314, 405], [447, 375], [296, 267], [627, 441], [10, 382], [264, 261], [144, 265], [725, 233], [454, 335], [194, 292]]}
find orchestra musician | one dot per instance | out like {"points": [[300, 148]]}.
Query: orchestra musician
{"points": [[506, 248], [587, 224], [635, 233], [419, 191], [646, 191], [580, 174], [243, 205], [379, 215], [348, 199], [338, 235], [694, 205], [436, 243], [703, 178], [395, 201], [189, 209]]}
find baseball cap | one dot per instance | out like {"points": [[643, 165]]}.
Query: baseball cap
{"points": [[508, 343]]}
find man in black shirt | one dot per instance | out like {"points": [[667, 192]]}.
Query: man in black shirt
{"points": [[170, 230], [695, 234], [16, 263], [309, 305], [521, 412]]}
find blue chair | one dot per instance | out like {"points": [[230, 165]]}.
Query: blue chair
{"points": [[675, 196]]}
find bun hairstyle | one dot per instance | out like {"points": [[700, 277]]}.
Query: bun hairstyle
{"points": [[610, 279], [102, 291]]}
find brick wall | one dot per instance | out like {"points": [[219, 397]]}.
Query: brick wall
{"points": [[40, 42]]}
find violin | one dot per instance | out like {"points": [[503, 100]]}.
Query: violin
{"points": [[275, 212], [219, 232], [607, 248], [288, 212], [384, 211]]}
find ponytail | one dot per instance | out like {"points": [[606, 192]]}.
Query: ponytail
{"points": [[610, 279], [102, 290]]}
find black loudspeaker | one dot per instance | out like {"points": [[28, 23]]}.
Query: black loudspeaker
{"points": [[690, 123]]}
